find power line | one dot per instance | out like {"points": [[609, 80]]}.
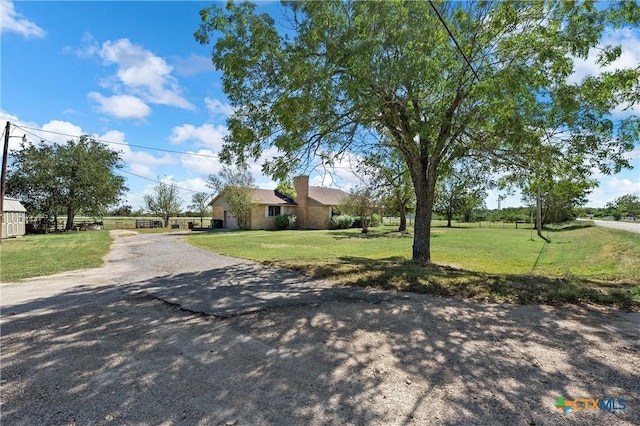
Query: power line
{"points": [[24, 128], [118, 170], [454, 40], [158, 181]]}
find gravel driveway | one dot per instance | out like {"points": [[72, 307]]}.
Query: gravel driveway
{"points": [[169, 334], [625, 226]]}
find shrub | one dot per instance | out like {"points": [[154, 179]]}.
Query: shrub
{"points": [[372, 221], [285, 220], [357, 222], [376, 220], [342, 222]]}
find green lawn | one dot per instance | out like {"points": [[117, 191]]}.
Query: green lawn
{"points": [[36, 255], [589, 264]]}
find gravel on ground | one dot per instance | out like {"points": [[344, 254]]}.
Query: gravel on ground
{"points": [[169, 334]]}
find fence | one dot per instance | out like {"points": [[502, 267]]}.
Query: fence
{"points": [[395, 221], [118, 222]]}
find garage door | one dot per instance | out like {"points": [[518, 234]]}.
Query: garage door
{"points": [[230, 221]]}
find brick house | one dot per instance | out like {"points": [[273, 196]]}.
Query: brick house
{"points": [[313, 206]]}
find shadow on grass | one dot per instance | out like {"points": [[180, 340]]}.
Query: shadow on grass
{"points": [[373, 233], [399, 274], [569, 226]]}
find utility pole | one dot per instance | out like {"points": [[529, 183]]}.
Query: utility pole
{"points": [[3, 180]]}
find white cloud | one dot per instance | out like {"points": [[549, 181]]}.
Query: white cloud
{"points": [[16, 134], [144, 74], [340, 174], [61, 131], [192, 65], [196, 184], [138, 162], [12, 21], [629, 40], [201, 164], [216, 107], [141, 169], [121, 106], [612, 188], [629, 58], [208, 135]]}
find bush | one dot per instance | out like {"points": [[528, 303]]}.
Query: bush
{"points": [[373, 221], [357, 222], [342, 222], [376, 220], [285, 220]]}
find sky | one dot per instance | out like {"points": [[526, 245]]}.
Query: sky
{"points": [[132, 75]]}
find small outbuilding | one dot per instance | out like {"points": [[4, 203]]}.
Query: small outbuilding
{"points": [[13, 218]]}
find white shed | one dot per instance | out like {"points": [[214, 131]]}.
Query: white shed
{"points": [[13, 218]]}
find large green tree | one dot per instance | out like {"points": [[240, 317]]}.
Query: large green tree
{"points": [[200, 204], [626, 205], [462, 191], [386, 173], [340, 71], [77, 176], [558, 198], [164, 200], [236, 186]]}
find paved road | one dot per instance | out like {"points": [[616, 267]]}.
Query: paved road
{"points": [[626, 226], [166, 333]]}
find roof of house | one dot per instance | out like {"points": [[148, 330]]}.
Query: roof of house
{"points": [[264, 196], [326, 196], [271, 197], [12, 205]]}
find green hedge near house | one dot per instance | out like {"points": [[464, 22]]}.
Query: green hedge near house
{"points": [[285, 221]]}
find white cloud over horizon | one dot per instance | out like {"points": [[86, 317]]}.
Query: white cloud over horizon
{"points": [[629, 40], [218, 108], [12, 21], [120, 106], [192, 65], [141, 78], [208, 135]]}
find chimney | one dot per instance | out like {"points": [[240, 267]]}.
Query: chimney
{"points": [[301, 185]]}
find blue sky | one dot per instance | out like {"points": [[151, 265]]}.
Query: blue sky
{"points": [[132, 74]]}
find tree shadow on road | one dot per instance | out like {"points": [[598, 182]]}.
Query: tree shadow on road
{"points": [[266, 346]]}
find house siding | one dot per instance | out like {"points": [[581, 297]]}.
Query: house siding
{"points": [[260, 220], [220, 210], [318, 217], [312, 206], [301, 185]]}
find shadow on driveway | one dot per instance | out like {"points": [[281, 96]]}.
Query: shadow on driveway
{"points": [[267, 348]]}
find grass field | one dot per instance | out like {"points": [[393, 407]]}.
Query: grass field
{"points": [[594, 265], [579, 265], [35, 255]]}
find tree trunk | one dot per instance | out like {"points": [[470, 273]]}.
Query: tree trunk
{"points": [[402, 207], [449, 217], [539, 215], [425, 194], [166, 220], [70, 217]]}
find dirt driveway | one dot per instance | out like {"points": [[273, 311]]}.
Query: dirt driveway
{"points": [[625, 226], [168, 334]]}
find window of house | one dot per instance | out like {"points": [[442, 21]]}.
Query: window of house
{"points": [[273, 211], [20, 217]]}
